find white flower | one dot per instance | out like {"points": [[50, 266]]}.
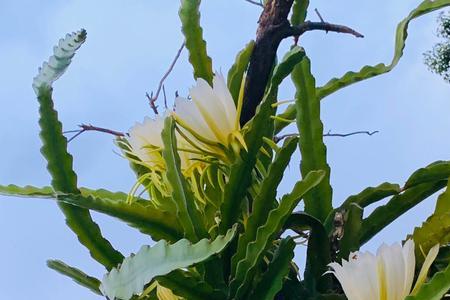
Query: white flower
{"points": [[146, 142], [387, 276], [211, 117]]}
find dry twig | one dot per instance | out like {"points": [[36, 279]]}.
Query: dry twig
{"points": [[277, 139], [256, 3], [152, 99], [89, 127]]}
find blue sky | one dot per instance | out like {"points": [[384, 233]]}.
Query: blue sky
{"points": [[130, 44]]}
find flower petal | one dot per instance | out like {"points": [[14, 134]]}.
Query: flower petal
{"points": [[392, 271], [221, 90], [211, 109], [410, 265], [431, 256], [187, 111]]}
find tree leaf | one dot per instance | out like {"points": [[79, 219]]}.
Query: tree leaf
{"points": [[240, 173], [162, 258], [60, 60], [265, 200], [27, 191], [193, 33], [289, 114], [272, 280], [435, 288], [299, 11], [443, 202], [183, 284], [77, 275], [318, 253], [352, 227], [398, 205], [367, 72], [146, 218], [439, 170], [238, 69], [183, 196], [371, 195], [436, 229], [59, 161], [266, 233], [365, 198], [48, 192], [313, 150]]}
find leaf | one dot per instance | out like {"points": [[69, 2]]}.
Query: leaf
{"points": [[443, 202], [289, 114], [272, 280], [266, 233], [299, 11], [398, 205], [439, 170], [241, 171], [162, 258], [149, 220], [313, 150], [352, 227], [318, 253], [435, 288], [184, 285], [238, 69], [367, 72], [59, 161], [187, 213], [365, 198], [139, 214], [371, 195], [78, 276], [48, 192], [26, 191], [60, 61], [193, 33], [265, 200], [435, 230]]}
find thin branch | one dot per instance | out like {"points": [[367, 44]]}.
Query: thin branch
{"points": [[89, 127], [255, 3], [152, 99], [351, 133], [165, 97], [277, 139], [324, 26], [319, 15]]}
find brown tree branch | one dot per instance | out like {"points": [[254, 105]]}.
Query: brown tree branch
{"points": [[273, 28], [268, 38], [324, 26], [152, 99], [89, 127], [277, 139], [255, 3]]}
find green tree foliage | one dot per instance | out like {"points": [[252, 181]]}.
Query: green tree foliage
{"points": [[438, 59]]}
